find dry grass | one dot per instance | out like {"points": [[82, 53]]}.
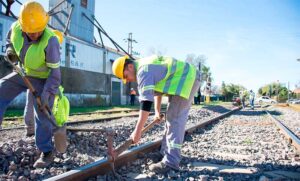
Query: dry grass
{"points": [[295, 107]]}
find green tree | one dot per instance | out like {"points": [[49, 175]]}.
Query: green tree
{"points": [[230, 90], [273, 89], [200, 61], [224, 90]]}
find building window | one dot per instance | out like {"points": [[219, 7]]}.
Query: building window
{"points": [[84, 3], [1, 31]]}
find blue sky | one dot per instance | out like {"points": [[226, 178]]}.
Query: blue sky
{"points": [[249, 42]]}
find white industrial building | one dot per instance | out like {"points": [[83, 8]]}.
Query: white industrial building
{"points": [[85, 64]]}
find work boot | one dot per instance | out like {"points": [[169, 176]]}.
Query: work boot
{"points": [[46, 158], [30, 131], [160, 168]]}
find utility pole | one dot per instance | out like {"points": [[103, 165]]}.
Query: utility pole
{"points": [[208, 89], [199, 91], [129, 40]]}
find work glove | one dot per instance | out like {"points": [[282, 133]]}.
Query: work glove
{"points": [[45, 101], [11, 55]]}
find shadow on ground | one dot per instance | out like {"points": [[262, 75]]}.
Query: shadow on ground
{"points": [[218, 109]]}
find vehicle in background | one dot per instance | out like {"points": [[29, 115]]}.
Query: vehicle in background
{"points": [[265, 99], [293, 101]]}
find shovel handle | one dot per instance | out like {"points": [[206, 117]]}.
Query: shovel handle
{"points": [[46, 111], [155, 121], [120, 149], [27, 82]]}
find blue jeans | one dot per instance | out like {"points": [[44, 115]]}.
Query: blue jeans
{"points": [[10, 87], [29, 110], [252, 103]]}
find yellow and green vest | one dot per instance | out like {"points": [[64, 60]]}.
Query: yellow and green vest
{"points": [[35, 59], [179, 79]]}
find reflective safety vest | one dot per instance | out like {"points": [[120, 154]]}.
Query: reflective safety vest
{"points": [[179, 79], [34, 62], [61, 107]]}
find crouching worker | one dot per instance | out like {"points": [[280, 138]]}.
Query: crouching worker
{"points": [[155, 76], [37, 48]]}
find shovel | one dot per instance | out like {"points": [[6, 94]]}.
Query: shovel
{"points": [[114, 153], [60, 133]]}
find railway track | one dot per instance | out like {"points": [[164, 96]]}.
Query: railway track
{"points": [[102, 166], [229, 160], [18, 155], [86, 152], [89, 117], [102, 112]]}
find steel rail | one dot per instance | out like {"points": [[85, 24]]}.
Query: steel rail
{"points": [[82, 113], [102, 166], [292, 138], [85, 121], [87, 113]]}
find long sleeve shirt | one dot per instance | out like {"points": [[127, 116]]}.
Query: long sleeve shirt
{"points": [[147, 77], [52, 55]]}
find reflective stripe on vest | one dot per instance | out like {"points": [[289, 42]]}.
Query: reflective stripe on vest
{"points": [[34, 61], [179, 79]]}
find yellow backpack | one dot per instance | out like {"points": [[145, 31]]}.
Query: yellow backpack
{"points": [[61, 108]]}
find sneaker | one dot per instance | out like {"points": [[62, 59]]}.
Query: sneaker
{"points": [[160, 168], [30, 131], [45, 160]]}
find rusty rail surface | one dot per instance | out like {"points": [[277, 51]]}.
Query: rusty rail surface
{"points": [[102, 166], [292, 138]]}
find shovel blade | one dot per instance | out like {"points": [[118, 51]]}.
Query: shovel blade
{"points": [[60, 139]]}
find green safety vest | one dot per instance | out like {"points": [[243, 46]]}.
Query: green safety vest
{"points": [[34, 62], [61, 107], [179, 79]]}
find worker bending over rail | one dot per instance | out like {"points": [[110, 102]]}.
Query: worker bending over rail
{"points": [[157, 75]]}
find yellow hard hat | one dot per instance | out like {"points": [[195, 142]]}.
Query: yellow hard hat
{"points": [[33, 18], [59, 36], [118, 67]]}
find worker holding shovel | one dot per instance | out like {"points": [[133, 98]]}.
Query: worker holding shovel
{"points": [[157, 75], [36, 47]]}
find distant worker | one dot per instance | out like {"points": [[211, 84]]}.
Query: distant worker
{"points": [[199, 97], [132, 96], [196, 98], [251, 99], [36, 46], [157, 75]]}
